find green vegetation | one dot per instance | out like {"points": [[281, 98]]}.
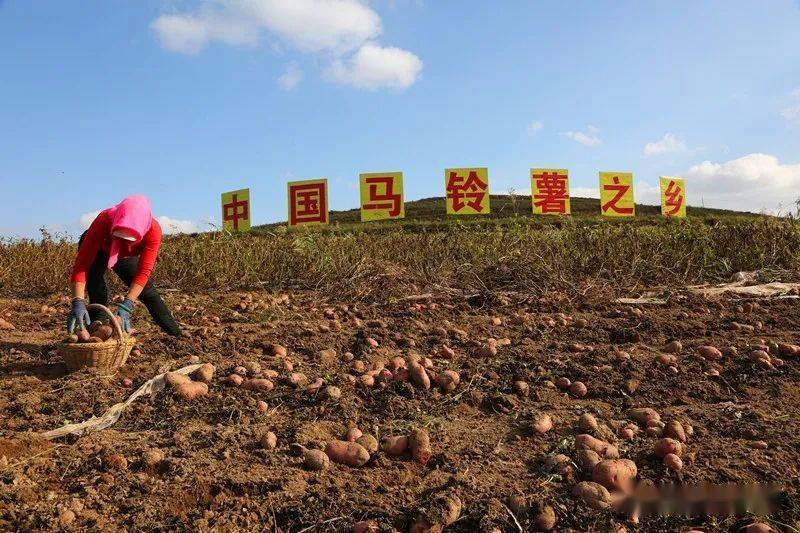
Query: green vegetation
{"points": [[429, 214], [383, 260]]}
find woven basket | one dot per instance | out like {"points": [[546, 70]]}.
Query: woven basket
{"points": [[107, 354]]}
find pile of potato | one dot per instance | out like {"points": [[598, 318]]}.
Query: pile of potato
{"points": [[356, 449], [417, 370], [98, 331]]}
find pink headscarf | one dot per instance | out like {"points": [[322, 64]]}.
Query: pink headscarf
{"points": [[134, 216]]}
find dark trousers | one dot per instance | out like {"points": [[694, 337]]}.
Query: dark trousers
{"points": [[126, 270]]}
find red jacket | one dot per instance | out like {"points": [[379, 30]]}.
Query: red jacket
{"points": [[98, 238]]}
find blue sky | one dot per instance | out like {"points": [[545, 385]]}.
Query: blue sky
{"points": [[182, 100]]}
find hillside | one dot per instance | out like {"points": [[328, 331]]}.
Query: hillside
{"points": [[505, 209]]}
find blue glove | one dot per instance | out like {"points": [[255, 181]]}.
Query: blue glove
{"points": [[124, 312], [78, 317]]}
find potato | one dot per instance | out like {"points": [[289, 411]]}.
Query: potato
{"points": [[558, 464], [367, 381], [397, 445], [347, 453], [615, 474], [258, 384], [278, 350], [103, 332], [316, 386], [448, 380], [353, 434], [545, 518], [585, 441], [419, 377], [626, 433], [587, 459], [204, 374], [235, 379], [642, 415], [578, 389], [486, 351], [298, 379], [420, 443], [369, 443], [654, 431], [71, 339], [673, 347], [542, 423], [315, 459], [401, 374], [588, 423], [666, 446], [191, 390], [262, 406], [674, 430], [397, 362], [444, 510], [673, 462], [173, 379], [152, 458], [709, 352], [788, 350], [563, 383], [94, 340], [94, 326], [593, 494], [268, 441]]}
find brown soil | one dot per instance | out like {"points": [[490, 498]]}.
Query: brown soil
{"points": [[216, 477]]}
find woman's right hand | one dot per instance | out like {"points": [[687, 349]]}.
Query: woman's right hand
{"points": [[78, 316]]}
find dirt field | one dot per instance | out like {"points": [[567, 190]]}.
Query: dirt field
{"points": [[216, 475]]}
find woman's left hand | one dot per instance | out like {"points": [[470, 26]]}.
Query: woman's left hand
{"points": [[124, 312]]}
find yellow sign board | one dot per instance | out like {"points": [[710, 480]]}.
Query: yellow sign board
{"points": [[308, 202], [467, 191], [382, 196], [236, 210], [550, 191], [673, 197], [616, 194]]}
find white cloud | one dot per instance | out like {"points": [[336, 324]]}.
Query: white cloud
{"points": [[584, 192], [587, 138], [290, 77], [534, 127], [308, 25], [168, 225], [791, 113], [667, 145], [756, 182], [376, 67], [647, 193], [86, 219], [330, 27], [172, 225]]}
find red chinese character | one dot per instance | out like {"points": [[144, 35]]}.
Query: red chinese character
{"points": [[385, 200], [673, 198], [307, 203], [621, 191], [472, 188], [235, 211], [552, 196]]}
